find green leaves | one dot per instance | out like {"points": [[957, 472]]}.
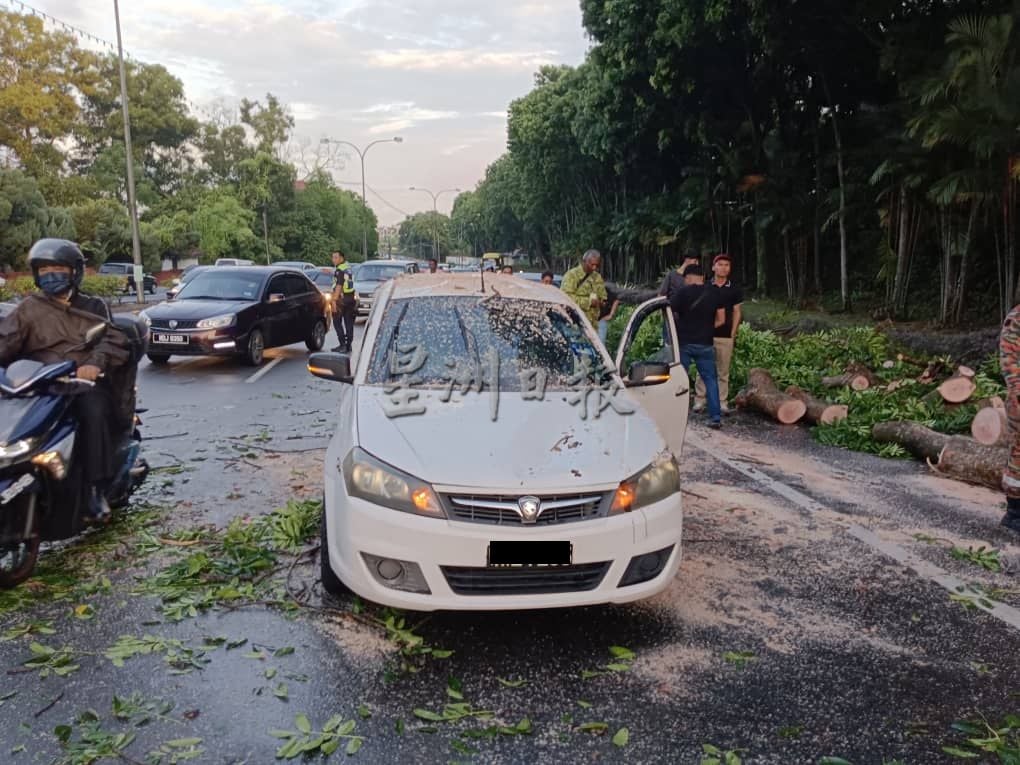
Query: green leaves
{"points": [[739, 659], [986, 558], [52, 661], [624, 658], [305, 740], [622, 737]]}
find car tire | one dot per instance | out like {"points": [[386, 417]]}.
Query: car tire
{"points": [[159, 359], [318, 337], [255, 351], [330, 581]]}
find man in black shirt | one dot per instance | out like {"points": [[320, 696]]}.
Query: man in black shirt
{"points": [[731, 297], [698, 313]]}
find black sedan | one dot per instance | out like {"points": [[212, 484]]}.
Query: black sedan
{"points": [[238, 311]]}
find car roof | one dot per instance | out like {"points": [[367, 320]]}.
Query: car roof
{"points": [[257, 270], [462, 284], [387, 262]]}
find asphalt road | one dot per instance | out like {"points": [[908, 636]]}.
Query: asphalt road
{"points": [[814, 614]]}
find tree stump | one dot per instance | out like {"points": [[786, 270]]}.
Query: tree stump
{"points": [[762, 394], [990, 425], [966, 460], [818, 412]]}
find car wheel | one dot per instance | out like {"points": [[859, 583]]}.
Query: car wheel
{"points": [[330, 581], [318, 338], [159, 359], [256, 349]]}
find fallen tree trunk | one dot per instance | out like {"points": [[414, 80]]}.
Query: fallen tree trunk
{"points": [[762, 394], [922, 442], [857, 376], [966, 460], [818, 412], [962, 459], [990, 425], [958, 388]]}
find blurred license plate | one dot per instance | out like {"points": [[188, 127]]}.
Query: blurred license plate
{"points": [[530, 553], [174, 339]]}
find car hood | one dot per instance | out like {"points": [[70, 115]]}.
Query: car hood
{"points": [[368, 286], [532, 445], [197, 309]]}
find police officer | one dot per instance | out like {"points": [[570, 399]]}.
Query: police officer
{"points": [[345, 303]]}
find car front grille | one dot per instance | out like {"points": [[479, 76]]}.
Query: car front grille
{"points": [[164, 324], [525, 580], [501, 510]]}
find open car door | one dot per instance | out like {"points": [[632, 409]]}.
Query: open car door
{"points": [[648, 359]]}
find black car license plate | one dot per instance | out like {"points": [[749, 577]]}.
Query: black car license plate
{"points": [[171, 339], [536, 553]]}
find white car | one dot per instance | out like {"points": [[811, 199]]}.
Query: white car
{"points": [[439, 496]]}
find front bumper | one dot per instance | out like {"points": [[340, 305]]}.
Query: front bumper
{"points": [[364, 304], [444, 549], [203, 342]]}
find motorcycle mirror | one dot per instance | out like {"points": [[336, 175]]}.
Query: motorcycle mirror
{"points": [[94, 335]]}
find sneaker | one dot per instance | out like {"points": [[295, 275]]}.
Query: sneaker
{"points": [[699, 407], [715, 425], [726, 410]]}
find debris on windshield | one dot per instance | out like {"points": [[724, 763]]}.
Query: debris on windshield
{"points": [[605, 391]]}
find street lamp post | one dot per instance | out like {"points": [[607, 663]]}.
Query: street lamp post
{"points": [[136, 245], [364, 198], [435, 210]]}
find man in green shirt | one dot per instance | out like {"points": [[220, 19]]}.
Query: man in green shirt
{"points": [[584, 285]]}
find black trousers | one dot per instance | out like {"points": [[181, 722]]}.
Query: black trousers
{"points": [[343, 321], [94, 444]]}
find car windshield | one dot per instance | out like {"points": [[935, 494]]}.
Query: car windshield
{"points": [[222, 285], [436, 340], [371, 272]]}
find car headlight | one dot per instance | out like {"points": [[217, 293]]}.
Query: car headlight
{"points": [[146, 319], [655, 483], [16, 449], [373, 480], [217, 322]]}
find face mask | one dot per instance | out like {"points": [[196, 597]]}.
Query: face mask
{"points": [[55, 283]]}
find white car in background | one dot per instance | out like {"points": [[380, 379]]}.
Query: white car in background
{"points": [[436, 498]]}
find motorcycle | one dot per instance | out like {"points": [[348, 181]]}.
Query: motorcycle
{"points": [[43, 489]]}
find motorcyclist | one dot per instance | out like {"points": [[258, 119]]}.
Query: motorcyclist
{"points": [[50, 328]]}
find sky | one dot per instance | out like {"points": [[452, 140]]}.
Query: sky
{"points": [[438, 73]]}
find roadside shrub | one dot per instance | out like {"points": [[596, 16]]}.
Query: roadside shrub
{"points": [[95, 285]]}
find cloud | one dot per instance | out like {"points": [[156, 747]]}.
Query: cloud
{"points": [[421, 59]]}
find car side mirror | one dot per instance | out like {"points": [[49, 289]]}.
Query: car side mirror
{"points": [[94, 335], [276, 297], [647, 373], [331, 366]]}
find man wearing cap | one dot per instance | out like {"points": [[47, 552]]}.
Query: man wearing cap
{"points": [[730, 298]]}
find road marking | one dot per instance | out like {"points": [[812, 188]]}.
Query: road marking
{"points": [[1001, 611], [264, 371]]}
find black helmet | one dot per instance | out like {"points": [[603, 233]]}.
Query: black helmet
{"points": [[57, 252]]}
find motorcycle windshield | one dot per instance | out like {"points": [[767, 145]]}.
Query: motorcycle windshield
{"points": [[27, 417]]}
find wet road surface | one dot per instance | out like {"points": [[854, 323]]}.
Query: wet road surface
{"points": [[795, 629]]}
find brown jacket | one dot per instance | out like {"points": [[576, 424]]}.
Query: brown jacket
{"points": [[46, 330]]}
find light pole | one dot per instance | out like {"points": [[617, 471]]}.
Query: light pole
{"points": [[136, 245], [364, 198], [435, 220]]}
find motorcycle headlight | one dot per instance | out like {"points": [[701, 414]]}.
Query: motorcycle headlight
{"points": [[17, 449], [375, 481], [655, 483], [217, 322]]}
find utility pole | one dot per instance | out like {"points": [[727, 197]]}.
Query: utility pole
{"points": [[435, 216], [265, 232], [364, 198], [136, 243]]}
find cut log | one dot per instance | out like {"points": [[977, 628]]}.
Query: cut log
{"points": [[922, 442], [957, 389], [994, 402], [762, 394], [857, 376], [990, 426], [966, 460], [818, 412], [966, 372]]}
